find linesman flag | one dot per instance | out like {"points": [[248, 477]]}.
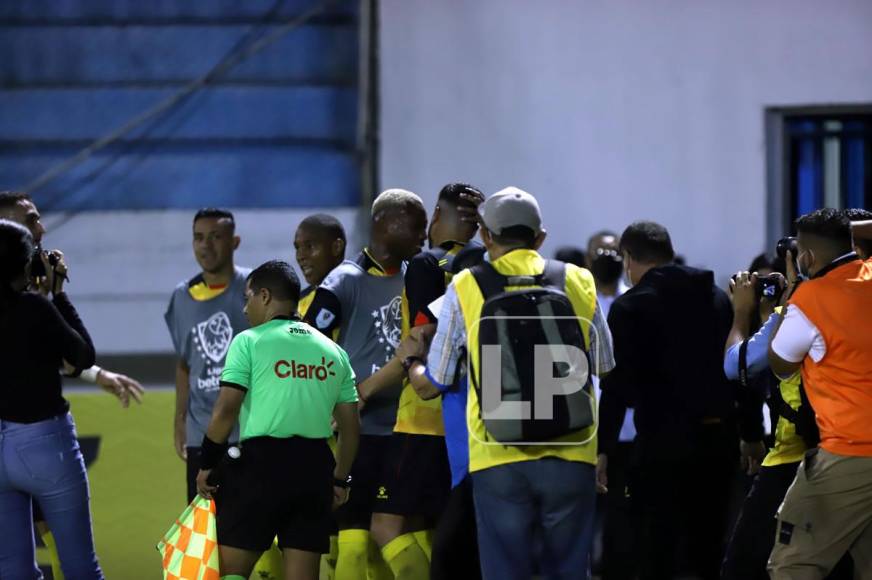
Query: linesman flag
{"points": [[190, 547]]}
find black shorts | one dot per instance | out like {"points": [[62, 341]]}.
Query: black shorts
{"points": [[278, 487], [366, 475], [416, 480]]}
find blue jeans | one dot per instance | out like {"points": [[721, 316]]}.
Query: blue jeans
{"points": [[42, 461], [535, 516]]}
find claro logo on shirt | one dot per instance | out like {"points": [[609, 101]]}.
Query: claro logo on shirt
{"points": [[292, 369]]}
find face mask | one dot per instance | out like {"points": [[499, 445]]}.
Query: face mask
{"points": [[607, 266]]}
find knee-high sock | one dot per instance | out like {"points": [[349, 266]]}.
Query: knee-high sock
{"points": [[328, 561], [377, 569], [406, 558], [351, 562], [48, 540], [425, 540], [269, 567]]}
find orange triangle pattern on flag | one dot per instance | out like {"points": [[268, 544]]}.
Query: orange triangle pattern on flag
{"points": [[190, 547]]}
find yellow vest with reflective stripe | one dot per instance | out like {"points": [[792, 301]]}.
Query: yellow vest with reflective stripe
{"points": [[581, 290]]}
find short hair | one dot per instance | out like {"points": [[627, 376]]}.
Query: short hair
{"points": [[515, 236], [326, 223], [278, 277], [601, 234], [16, 249], [858, 215], [830, 225], [647, 242], [570, 255], [395, 199], [451, 193], [9, 199], [216, 213]]}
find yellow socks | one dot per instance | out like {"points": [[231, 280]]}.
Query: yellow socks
{"points": [[351, 563], [377, 568], [48, 540], [406, 558], [269, 567], [425, 540]]}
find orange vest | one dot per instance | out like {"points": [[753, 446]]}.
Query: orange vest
{"points": [[839, 387]]}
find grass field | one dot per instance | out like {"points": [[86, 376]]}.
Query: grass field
{"points": [[137, 480]]}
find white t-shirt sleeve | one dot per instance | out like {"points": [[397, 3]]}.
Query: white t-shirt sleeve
{"points": [[798, 337]]}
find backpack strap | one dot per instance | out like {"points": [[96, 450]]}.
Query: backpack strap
{"points": [[489, 281], [554, 275]]}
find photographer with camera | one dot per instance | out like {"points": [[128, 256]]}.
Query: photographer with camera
{"points": [[758, 297], [20, 208], [824, 332], [40, 456]]}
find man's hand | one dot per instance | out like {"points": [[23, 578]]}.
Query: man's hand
{"points": [[180, 437], [53, 281], [340, 496], [752, 454], [468, 207], [411, 346], [743, 293], [121, 386], [602, 479], [203, 488]]}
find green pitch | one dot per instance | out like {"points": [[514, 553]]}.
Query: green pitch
{"points": [[137, 480]]}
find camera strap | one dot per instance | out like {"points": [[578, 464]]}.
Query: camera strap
{"points": [[743, 363]]}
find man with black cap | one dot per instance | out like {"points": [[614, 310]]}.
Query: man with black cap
{"points": [[548, 483]]}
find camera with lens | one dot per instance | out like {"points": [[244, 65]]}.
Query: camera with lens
{"points": [[37, 268], [769, 287], [784, 245]]}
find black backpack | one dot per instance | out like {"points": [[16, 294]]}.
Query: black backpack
{"points": [[803, 418], [518, 322]]}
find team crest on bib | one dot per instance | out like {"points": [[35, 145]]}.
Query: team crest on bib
{"points": [[388, 322], [214, 336], [324, 318]]}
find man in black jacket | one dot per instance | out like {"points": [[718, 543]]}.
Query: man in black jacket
{"points": [[669, 332]]}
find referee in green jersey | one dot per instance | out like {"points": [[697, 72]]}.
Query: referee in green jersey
{"points": [[284, 382]]}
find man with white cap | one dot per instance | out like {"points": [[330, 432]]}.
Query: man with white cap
{"points": [[544, 483]]}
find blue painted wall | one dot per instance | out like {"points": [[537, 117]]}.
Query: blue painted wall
{"points": [[277, 131]]}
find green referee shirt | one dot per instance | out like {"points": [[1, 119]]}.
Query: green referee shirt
{"points": [[293, 376]]}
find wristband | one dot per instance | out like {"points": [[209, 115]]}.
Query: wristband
{"points": [[210, 453], [409, 361], [343, 483], [90, 374]]}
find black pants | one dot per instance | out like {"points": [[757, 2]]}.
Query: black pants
{"points": [[455, 543], [679, 496], [619, 550], [754, 534]]}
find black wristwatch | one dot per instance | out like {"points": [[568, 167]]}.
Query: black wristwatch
{"points": [[343, 483], [411, 360]]}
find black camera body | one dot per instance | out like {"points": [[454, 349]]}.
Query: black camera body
{"points": [[769, 287], [37, 268], [784, 245]]}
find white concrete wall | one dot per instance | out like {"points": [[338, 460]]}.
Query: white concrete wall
{"points": [[607, 111], [124, 265], [612, 111]]}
